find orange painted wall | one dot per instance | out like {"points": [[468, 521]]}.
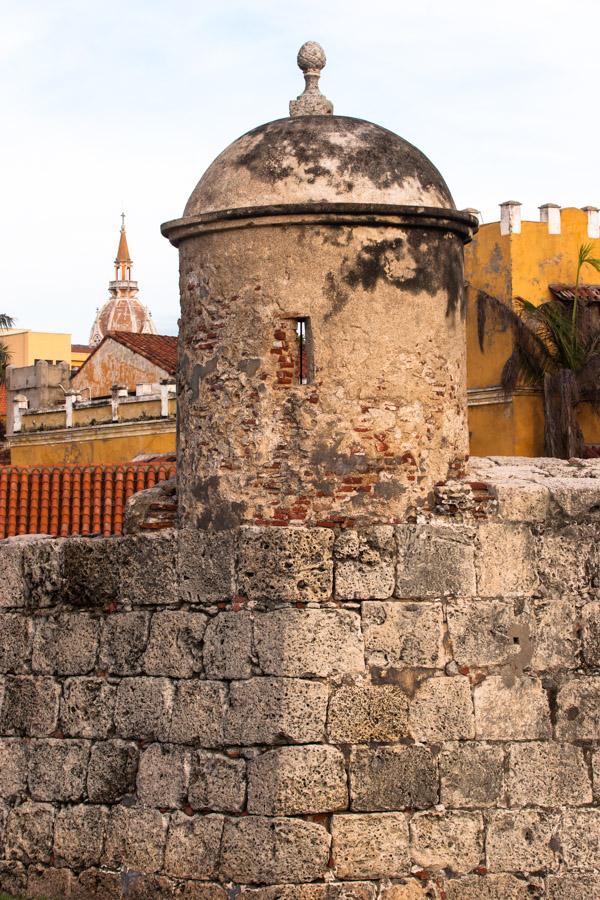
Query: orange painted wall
{"points": [[508, 266]]}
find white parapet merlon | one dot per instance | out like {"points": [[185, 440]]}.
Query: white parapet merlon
{"points": [[550, 214], [117, 391], [593, 214], [510, 217], [70, 399], [166, 388], [19, 404]]}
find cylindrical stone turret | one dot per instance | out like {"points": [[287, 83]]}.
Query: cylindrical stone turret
{"points": [[322, 346]]}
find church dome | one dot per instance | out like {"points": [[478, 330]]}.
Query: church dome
{"points": [[319, 159], [123, 311], [123, 314]]}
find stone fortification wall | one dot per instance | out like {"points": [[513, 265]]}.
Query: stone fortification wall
{"points": [[396, 713]]}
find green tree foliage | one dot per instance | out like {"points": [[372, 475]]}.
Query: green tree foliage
{"points": [[5, 322]]}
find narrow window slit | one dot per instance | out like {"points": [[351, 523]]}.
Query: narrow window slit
{"points": [[304, 361]]}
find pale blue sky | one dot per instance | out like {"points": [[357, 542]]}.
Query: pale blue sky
{"points": [[106, 104]]}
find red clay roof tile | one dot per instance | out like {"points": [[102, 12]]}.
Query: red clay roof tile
{"points": [[71, 500], [590, 292], [160, 349]]}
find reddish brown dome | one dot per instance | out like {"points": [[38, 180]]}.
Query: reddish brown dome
{"points": [[122, 314], [123, 311]]}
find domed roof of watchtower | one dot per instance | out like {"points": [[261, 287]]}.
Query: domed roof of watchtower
{"points": [[317, 157]]}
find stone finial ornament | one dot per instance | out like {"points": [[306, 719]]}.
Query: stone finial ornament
{"points": [[311, 102]]}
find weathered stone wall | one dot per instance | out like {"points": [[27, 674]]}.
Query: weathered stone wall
{"points": [[398, 712], [383, 415]]}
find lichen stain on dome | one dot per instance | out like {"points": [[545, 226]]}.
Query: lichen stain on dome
{"points": [[362, 150], [319, 159]]}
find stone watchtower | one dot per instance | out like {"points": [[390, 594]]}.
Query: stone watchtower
{"points": [[382, 712], [322, 347]]}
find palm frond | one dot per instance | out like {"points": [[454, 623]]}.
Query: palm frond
{"points": [[593, 398], [481, 320], [4, 362], [557, 345], [6, 321], [584, 252], [592, 349], [537, 324], [512, 371], [585, 257], [562, 334], [526, 306], [534, 356]]}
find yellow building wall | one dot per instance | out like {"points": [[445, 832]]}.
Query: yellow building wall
{"points": [[529, 424], [95, 415], [26, 346], [78, 357], [509, 266], [42, 421], [128, 411], [97, 449], [133, 409], [487, 268], [491, 430], [94, 437], [504, 429], [17, 347], [540, 259]]}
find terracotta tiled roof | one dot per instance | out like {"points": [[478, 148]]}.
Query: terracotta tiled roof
{"points": [[589, 292], [66, 500], [81, 348], [160, 349]]}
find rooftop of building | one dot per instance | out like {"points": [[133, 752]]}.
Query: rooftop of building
{"points": [[585, 292], [72, 500], [159, 349]]}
